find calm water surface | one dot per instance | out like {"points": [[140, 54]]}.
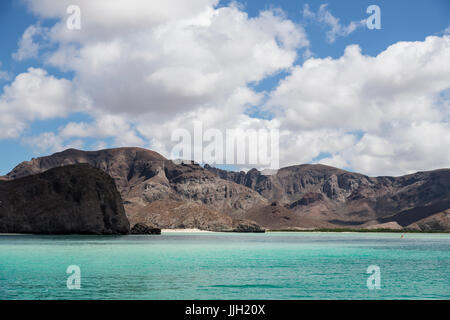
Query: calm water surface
{"points": [[226, 266]]}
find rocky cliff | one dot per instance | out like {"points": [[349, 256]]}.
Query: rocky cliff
{"points": [[76, 199], [323, 194], [144, 177]]}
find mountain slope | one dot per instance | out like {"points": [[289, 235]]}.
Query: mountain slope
{"points": [[188, 215], [305, 196], [347, 199], [143, 176]]}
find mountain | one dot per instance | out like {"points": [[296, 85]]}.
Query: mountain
{"points": [[174, 194], [346, 199], [76, 199], [277, 217], [188, 215], [144, 177], [435, 222]]}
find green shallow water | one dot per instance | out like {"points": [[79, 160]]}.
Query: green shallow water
{"points": [[226, 266]]}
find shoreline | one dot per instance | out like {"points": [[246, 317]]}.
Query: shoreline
{"points": [[343, 230], [192, 230]]}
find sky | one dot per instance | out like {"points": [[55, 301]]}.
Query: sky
{"points": [[374, 101]]}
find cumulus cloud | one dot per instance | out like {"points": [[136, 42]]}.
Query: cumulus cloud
{"points": [[49, 142], [28, 46], [394, 100], [35, 95], [336, 29], [179, 66], [4, 75], [105, 126], [170, 57], [168, 64], [407, 148]]}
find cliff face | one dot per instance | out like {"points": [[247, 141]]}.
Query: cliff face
{"points": [[74, 199], [143, 177], [345, 199], [192, 183]]}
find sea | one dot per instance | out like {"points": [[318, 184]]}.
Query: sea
{"points": [[273, 265]]}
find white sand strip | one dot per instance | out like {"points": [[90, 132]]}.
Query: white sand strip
{"points": [[182, 230]]}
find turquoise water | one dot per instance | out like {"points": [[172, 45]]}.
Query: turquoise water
{"points": [[226, 266]]}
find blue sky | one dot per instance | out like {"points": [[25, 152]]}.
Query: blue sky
{"points": [[401, 21]]}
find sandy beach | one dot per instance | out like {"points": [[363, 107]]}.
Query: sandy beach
{"points": [[182, 230]]}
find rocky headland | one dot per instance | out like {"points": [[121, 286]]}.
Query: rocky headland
{"points": [[76, 199]]}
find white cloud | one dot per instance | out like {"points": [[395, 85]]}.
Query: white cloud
{"points": [[302, 146], [447, 31], [361, 93], [168, 64], [105, 126], [4, 75], [35, 95], [106, 19], [397, 100], [168, 59], [337, 29], [28, 47], [99, 145], [407, 149], [48, 142], [336, 161]]}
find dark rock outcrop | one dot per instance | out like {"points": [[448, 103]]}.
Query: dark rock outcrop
{"points": [[76, 199], [141, 228], [306, 200], [247, 226]]}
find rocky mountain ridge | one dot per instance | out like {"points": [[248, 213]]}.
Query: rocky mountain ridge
{"points": [[144, 177], [350, 200], [170, 194]]}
